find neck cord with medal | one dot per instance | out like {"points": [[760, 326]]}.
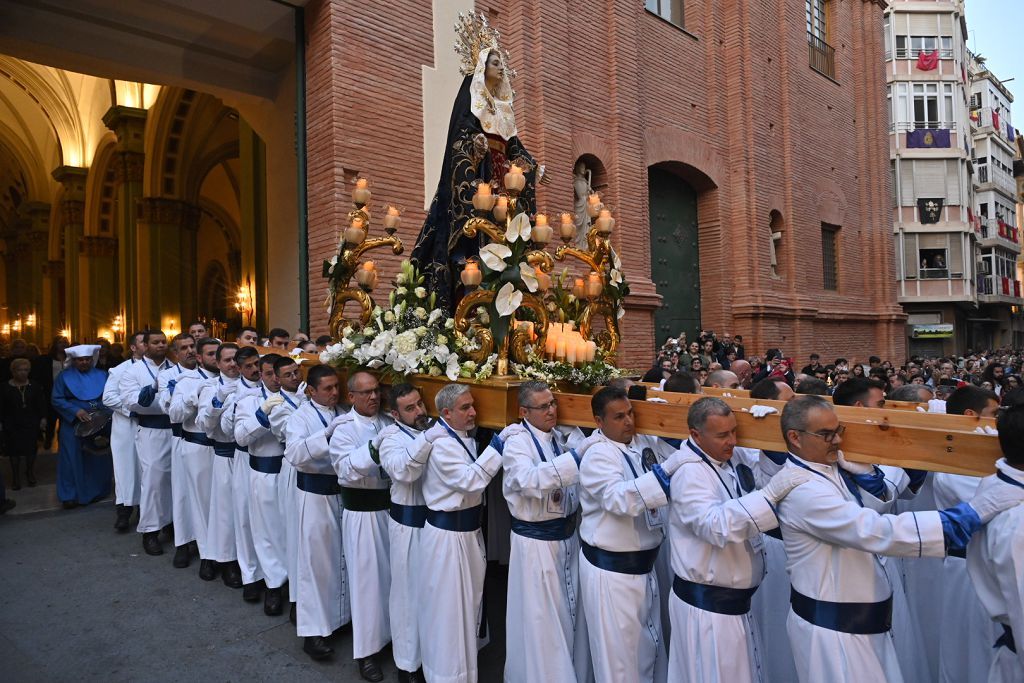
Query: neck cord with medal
{"points": [[536, 442], [451, 432], [715, 470]]}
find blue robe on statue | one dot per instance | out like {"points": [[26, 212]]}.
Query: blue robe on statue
{"points": [[81, 477]]}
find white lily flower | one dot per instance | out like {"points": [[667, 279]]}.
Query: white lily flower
{"points": [[620, 313], [529, 275], [615, 275], [434, 316], [616, 261], [452, 367], [518, 228], [508, 300], [493, 255]]}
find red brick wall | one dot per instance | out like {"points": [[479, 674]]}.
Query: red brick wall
{"points": [[731, 104]]}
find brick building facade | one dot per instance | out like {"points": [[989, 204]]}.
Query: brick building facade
{"points": [[764, 122]]}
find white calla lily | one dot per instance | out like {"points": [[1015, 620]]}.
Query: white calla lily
{"points": [[616, 261], [493, 255], [518, 228], [615, 275], [529, 275], [508, 300]]}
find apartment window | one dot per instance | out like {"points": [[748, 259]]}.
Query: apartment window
{"points": [[829, 251], [933, 263], [909, 47], [820, 55], [933, 105], [669, 10], [817, 19]]}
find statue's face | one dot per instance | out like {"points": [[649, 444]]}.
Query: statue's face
{"points": [[494, 71]]}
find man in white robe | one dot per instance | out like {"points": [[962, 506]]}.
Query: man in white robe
{"points": [[248, 361], [540, 484], [220, 530], [995, 558], [322, 604], [833, 535], [717, 551], [266, 453], [452, 571], [152, 439], [127, 474], [364, 521], [624, 496], [403, 452], [196, 448]]}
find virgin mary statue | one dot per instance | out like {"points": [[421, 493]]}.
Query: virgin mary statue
{"points": [[482, 143]]}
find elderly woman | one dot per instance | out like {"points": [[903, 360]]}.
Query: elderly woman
{"points": [[23, 415], [83, 476]]}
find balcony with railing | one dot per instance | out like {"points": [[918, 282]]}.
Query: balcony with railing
{"points": [[821, 56], [986, 118], [914, 53], [995, 288], [991, 175], [993, 232]]}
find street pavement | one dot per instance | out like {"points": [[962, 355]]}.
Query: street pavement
{"points": [[80, 602]]}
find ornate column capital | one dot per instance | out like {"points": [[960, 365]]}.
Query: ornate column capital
{"points": [[129, 123], [163, 211], [128, 167], [97, 246]]}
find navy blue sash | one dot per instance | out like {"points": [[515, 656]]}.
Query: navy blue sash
{"points": [[225, 449], [558, 529], [322, 484], [638, 563], [1008, 479], [266, 465], [717, 599], [196, 438], [845, 617], [155, 421], [176, 429], [1006, 640], [409, 515], [459, 520], [365, 500]]}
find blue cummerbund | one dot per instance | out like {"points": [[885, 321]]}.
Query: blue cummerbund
{"points": [[365, 500], [459, 520], [225, 449], [322, 484], [197, 438], [638, 562], [717, 599], [1006, 640], [266, 465], [155, 421], [409, 515], [550, 530], [846, 617], [176, 429]]}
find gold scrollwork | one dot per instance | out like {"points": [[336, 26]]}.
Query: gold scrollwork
{"points": [[520, 339], [608, 339], [338, 320], [478, 224], [481, 334]]}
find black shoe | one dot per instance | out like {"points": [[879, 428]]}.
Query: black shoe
{"points": [[151, 543], [293, 616], [193, 549], [252, 592], [409, 677], [168, 532], [182, 557], [273, 602], [69, 504], [231, 574], [207, 570], [369, 670], [124, 513], [317, 648], [9, 505]]}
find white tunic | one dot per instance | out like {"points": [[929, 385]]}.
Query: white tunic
{"points": [[287, 489], [452, 575], [540, 483], [183, 408], [220, 531], [153, 446], [716, 540], [241, 482], [623, 511], [252, 431], [183, 514], [322, 598], [831, 546], [995, 561], [364, 533], [127, 477], [399, 450]]}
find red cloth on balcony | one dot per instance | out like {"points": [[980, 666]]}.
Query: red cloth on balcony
{"points": [[928, 61], [1006, 285], [1016, 288], [970, 216], [995, 119]]}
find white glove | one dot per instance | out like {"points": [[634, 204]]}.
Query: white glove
{"points": [[784, 481], [760, 411], [990, 431], [420, 448], [937, 405], [994, 500], [223, 391], [329, 432], [271, 403], [655, 399], [854, 467], [436, 432], [921, 410]]}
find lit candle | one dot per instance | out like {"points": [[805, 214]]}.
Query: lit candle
{"points": [[355, 233], [567, 230], [543, 280], [591, 351], [550, 341], [570, 352], [500, 209], [515, 181], [560, 346], [483, 200], [542, 232], [594, 204], [361, 194], [594, 285], [365, 275], [604, 223], [393, 219], [471, 275]]}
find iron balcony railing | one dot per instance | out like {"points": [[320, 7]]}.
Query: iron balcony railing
{"points": [[821, 56]]}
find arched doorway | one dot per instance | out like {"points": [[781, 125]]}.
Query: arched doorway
{"points": [[675, 262]]}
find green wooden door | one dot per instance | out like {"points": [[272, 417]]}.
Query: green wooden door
{"points": [[674, 259]]}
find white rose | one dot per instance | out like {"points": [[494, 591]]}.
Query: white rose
{"points": [[420, 313], [389, 317], [401, 291], [347, 331], [449, 324], [420, 293], [434, 371], [400, 279], [421, 331], [442, 340]]}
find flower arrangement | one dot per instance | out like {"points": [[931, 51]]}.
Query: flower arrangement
{"points": [[581, 377], [410, 336]]}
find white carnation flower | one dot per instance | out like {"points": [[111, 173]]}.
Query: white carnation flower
{"points": [[406, 342]]}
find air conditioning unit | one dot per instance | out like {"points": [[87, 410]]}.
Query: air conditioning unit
{"points": [[984, 268]]}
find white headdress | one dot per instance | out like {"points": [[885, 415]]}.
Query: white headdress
{"points": [[476, 41]]}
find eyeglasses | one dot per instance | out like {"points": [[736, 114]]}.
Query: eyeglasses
{"points": [[375, 390], [828, 436], [544, 407]]}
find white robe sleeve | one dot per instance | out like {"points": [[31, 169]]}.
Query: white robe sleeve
{"points": [[207, 415], [112, 392], [713, 520], [398, 456], [535, 479], [304, 447], [248, 428], [1008, 559], [458, 471], [344, 447], [130, 388], [601, 475]]}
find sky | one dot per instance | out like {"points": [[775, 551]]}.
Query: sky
{"points": [[994, 30]]}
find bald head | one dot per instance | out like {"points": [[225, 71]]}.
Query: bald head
{"points": [[743, 372], [723, 379]]}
